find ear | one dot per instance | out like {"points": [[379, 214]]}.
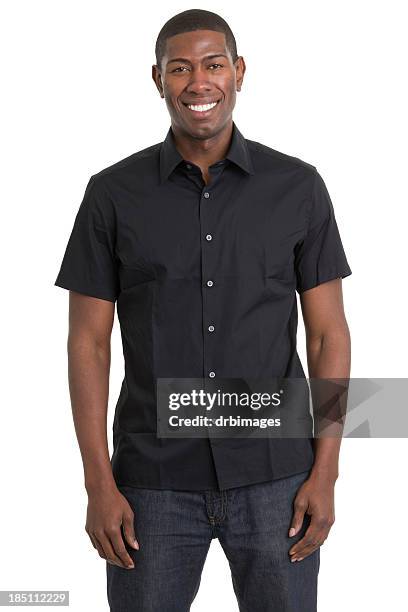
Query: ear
{"points": [[240, 71], [156, 76]]}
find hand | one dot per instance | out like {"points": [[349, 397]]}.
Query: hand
{"points": [[314, 497], [108, 509]]}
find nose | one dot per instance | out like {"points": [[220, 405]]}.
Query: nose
{"points": [[199, 82]]}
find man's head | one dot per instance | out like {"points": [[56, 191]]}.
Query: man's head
{"points": [[197, 64]]}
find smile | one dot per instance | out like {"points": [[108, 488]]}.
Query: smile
{"points": [[202, 108]]}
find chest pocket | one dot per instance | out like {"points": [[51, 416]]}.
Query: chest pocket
{"points": [[280, 280], [281, 272]]}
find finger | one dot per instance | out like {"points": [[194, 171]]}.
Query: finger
{"points": [[317, 532], [129, 530], [110, 554], [91, 538], [298, 517], [306, 552], [120, 549], [311, 544], [310, 541], [310, 536], [97, 545]]}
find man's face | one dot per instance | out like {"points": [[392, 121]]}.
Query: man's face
{"points": [[197, 69]]}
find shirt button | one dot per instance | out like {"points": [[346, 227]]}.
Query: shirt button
{"points": [[208, 237], [210, 283], [206, 194], [212, 375], [211, 328]]}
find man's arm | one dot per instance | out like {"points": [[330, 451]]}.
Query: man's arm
{"points": [[90, 328], [328, 355]]}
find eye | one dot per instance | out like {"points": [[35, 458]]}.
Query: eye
{"points": [[219, 65], [178, 69]]}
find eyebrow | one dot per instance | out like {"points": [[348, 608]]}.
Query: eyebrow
{"points": [[187, 61]]}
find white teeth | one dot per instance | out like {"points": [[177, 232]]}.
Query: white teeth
{"points": [[201, 107]]}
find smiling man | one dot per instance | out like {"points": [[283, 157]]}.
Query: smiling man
{"points": [[203, 240]]}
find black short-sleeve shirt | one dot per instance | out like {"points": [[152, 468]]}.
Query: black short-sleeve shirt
{"points": [[204, 278]]}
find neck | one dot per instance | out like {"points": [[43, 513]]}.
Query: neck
{"points": [[203, 152]]}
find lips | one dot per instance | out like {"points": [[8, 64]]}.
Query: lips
{"points": [[200, 109]]}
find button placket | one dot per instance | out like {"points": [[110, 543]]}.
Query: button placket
{"points": [[209, 284]]}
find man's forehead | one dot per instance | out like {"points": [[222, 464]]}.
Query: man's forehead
{"points": [[195, 43]]}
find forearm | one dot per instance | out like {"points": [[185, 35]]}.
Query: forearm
{"points": [[329, 358], [88, 371]]}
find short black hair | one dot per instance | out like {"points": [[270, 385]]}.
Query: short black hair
{"points": [[188, 21]]}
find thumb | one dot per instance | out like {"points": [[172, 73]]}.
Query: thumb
{"points": [[129, 530], [297, 519]]}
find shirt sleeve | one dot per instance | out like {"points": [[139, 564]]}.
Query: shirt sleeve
{"points": [[89, 265], [320, 256]]}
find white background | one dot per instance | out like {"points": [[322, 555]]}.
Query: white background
{"points": [[326, 82]]}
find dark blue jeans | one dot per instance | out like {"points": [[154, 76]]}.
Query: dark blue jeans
{"points": [[175, 529]]}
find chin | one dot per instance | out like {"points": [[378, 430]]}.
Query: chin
{"points": [[205, 131]]}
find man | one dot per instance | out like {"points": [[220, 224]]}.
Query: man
{"points": [[203, 241]]}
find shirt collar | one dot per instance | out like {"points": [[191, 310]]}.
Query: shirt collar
{"points": [[238, 153]]}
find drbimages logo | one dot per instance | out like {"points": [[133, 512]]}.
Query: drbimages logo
{"points": [[207, 400]]}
